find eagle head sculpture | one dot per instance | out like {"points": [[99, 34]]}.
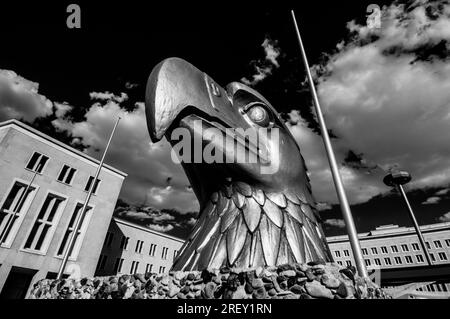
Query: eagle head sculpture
{"points": [[258, 212]]}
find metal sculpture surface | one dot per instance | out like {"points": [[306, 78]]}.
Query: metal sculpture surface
{"points": [[247, 218]]}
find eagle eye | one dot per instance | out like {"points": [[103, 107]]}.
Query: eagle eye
{"points": [[258, 114]]}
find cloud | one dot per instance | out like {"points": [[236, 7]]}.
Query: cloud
{"points": [[19, 98], [442, 192], [264, 67], [160, 228], [323, 206], [108, 96], [335, 222], [445, 218], [385, 94], [432, 200], [130, 85]]}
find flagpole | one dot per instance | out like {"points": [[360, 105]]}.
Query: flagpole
{"points": [[83, 210], [345, 207]]}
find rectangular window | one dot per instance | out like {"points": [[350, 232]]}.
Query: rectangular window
{"points": [[364, 251], [66, 174], [124, 242], [348, 262], [384, 250], [394, 249], [44, 224], [70, 229], [37, 162], [148, 268], [387, 261], [134, 267], [152, 250], [14, 209], [447, 242], [398, 260], [162, 269], [437, 244], [377, 261], [405, 247], [419, 258], [346, 253], [374, 250], [340, 262], [428, 245], [118, 265], [415, 246], [175, 252], [367, 261], [139, 245], [109, 239], [408, 259], [432, 257], [442, 256], [164, 252], [102, 262], [89, 183]]}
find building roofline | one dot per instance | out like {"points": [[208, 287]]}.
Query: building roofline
{"points": [[14, 122], [398, 231], [131, 224]]}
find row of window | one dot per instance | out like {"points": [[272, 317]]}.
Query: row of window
{"points": [[118, 265], [38, 161], [398, 260], [394, 248], [16, 205], [139, 246]]}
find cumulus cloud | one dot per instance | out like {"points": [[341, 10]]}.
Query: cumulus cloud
{"points": [[335, 222], [432, 200], [148, 165], [19, 98], [385, 94], [445, 217], [108, 96], [264, 67], [160, 228]]}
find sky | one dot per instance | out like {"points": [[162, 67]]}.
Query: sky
{"points": [[385, 94]]}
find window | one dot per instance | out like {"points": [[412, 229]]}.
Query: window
{"points": [[405, 247], [447, 242], [367, 261], [432, 257], [442, 256], [419, 258], [337, 253], [148, 268], [118, 265], [102, 262], [346, 253], [348, 262], [384, 250], [66, 174], [109, 239], [39, 238], [415, 246], [138, 248], [408, 259], [89, 183], [394, 249], [70, 229], [437, 244], [398, 260], [164, 252], [364, 251], [152, 250], [175, 252], [162, 269], [14, 209], [124, 242], [377, 261], [134, 267], [387, 261], [428, 245], [37, 162], [340, 262], [374, 250]]}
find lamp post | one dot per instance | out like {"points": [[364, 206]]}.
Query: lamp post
{"points": [[397, 179]]}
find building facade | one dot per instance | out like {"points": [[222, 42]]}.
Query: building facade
{"points": [[397, 252], [130, 249], [43, 186]]}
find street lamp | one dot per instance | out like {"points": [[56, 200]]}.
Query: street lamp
{"points": [[396, 179]]}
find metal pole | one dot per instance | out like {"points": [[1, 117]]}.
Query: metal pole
{"points": [[352, 234], [83, 209], [19, 204], [416, 226]]}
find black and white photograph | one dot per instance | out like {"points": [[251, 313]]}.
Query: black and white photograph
{"points": [[220, 152]]}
